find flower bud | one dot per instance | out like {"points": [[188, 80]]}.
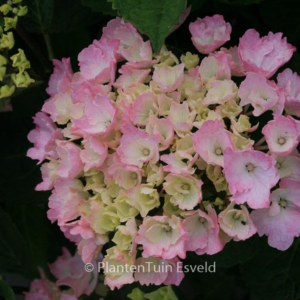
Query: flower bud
{"points": [[3, 60], [5, 9], [2, 72], [6, 91], [22, 11], [20, 61], [7, 41], [10, 23], [21, 79]]}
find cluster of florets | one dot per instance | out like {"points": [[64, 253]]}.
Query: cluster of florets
{"points": [[159, 158]]}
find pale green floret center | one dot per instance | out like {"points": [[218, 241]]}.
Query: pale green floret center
{"points": [[278, 165], [250, 167], [146, 152], [185, 187], [282, 203], [238, 216], [281, 141], [202, 220], [218, 151], [133, 176]]}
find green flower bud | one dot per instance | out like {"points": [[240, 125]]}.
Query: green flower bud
{"points": [[5, 9], [6, 91], [21, 79], [2, 72], [16, 1], [3, 60], [23, 10], [10, 23], [7, 41], [20, 61]]}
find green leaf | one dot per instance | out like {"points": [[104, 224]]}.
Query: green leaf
{"points": [[272, 274], [39, 17], [155, 18], [100, 6], [34, 226], [13, 254], [5, 291]]}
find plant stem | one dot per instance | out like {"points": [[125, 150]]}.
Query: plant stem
{"points": [[262, 148], [49, 46], [263, 139], [34, 47]]}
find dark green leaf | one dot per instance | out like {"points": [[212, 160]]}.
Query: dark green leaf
{"points": [[272, 274], [6, 291], [13, 254], [39, 17], [100, 6], [232, 254], [155, 18]]}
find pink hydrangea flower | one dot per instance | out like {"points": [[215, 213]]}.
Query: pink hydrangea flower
{"points": [[234, 62], [211, 140], [61, 77], [43, 289], [49, 175], [59, 107], [131, 45], [138, 147], [152, 270], [168, 78], [130, 77], [203, 231], [70, 271], [290, 82], [288, 166], [210, 33], [262, 94], [237, 222], [181, 117], [214, 67], [280, 222], [264, 55], [143, 107], [94, 153], [282, 135], [162, 237], [96, 116], [70, 164], [98, 61], [162, 129], [90, 248], [250, 175], [185, 190], [65, 199], [43, 137]]}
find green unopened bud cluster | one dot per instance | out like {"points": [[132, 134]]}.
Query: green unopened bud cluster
{"points": [[12, 68]]}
